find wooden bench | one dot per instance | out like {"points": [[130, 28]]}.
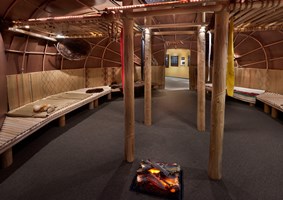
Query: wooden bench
{"points": [[244, 94], [15, 129], [273, 103]]}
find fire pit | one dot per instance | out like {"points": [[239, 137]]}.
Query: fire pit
{"points": [[158, 178]]}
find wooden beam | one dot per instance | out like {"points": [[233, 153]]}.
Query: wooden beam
{"points": [[179, 10], [147, 75], [218, 94], [129, 106], [174, 33], [177, 25], [201, 80]]}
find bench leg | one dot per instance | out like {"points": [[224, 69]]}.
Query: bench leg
{"points": [[62, 121], [252, 105], [91, 105], [7, 158], [96, 103], [274, 113], [266, 109], [109, 96]]}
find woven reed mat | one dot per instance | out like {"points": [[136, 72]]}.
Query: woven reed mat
{"points": [[59, 101]]}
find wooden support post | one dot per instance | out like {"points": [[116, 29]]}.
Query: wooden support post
{"points": [[192, 77], [91, 105], [274, 113], [128, 51], [109, 96], [147, 75], [62, 121], [96, 103], [218, 94], [201, 80], [266, 108], [7, 158]]}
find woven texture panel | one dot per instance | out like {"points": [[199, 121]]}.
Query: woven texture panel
{"points": [[95, 77], [29, 87]]}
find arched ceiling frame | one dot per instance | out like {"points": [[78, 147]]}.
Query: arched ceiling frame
{"points": [[10, 8], [106, 48], [261, 47], [103, 55]]}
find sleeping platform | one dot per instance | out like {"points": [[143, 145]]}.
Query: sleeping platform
{"points": [[244, 94], [29, 91]]}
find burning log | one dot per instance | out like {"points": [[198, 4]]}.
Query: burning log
{"points": [[158, 178]]}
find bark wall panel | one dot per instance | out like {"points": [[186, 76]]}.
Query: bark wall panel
{"points": [[3, 85], [73, 64], [250, 78], [274, 81], [52, 62], [33, 63], [18, 43], [97, 51], [93, 63], [14, 63], [36, 45]]}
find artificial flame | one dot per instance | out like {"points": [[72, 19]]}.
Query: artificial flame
{"points": [[154, 171]]}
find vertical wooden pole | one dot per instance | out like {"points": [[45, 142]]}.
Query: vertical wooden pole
{"points": [[91, 105], [274, 113], [129, 84], [109, 96], [201, 80], [147, 75], [266, 108], [218, 94], [7, 158], [96, 103], [62, 121]]}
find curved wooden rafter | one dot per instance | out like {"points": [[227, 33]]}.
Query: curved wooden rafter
{"points": [[10, 8], [103, 54], [86, 59], [41, 8], [247, 36], [261, 47]]}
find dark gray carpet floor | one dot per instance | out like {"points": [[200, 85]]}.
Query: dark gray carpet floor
{"points": [[84, 160]]}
